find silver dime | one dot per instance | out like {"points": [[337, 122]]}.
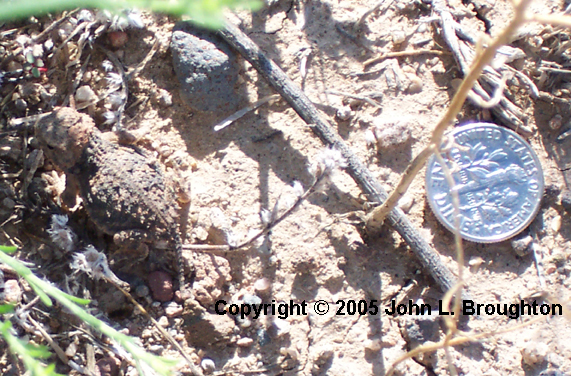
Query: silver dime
{"points": [[498, 178]]}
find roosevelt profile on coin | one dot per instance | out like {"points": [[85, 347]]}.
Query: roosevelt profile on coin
{"points": [[498, 178]]}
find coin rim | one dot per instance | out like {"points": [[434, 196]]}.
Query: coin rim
{"points": [[518, 229]]}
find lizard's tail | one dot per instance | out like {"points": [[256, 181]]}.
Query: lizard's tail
{"points": [[180, 262]]}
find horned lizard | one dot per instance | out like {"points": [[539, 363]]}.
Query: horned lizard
{"points": [[125, 193]]}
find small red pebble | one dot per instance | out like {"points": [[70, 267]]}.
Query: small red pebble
{"points": [[117, 39], [160, 284]]}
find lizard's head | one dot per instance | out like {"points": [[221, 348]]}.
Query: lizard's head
{"points": [[63, 135]]}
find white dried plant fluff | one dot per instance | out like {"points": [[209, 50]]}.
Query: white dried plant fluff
{"points": [[297, 189], [115, 100], [134, 18], [266, 216], [107, 65], [110, 117], [326, 162], [85, 15], [93, 263], [60, 233], [114, 81]]}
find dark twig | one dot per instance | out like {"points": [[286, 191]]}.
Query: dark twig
{"points": [[364, 178], [390, 55], [41, 36], [361, 21], [488, 91]]}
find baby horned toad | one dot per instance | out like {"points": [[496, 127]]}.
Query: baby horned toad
{"points": [[125, 194]]}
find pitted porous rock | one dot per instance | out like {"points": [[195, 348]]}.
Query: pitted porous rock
{"points": [[125, 193]]}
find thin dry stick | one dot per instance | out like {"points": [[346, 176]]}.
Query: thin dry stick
{"points": [[238, 114], [361, 21], [195, 370], [365, 97], [429, 258], [265, 230], [459, 341], [60, 353], [390, 55], [40, 37], [376, 217], [451, 322]]}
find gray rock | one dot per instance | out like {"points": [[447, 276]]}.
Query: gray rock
{"points": [[522, 244], [566, 200], [206, 68], [417, 330]]}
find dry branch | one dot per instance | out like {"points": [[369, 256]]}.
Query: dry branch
{"points": [[429, 258]]}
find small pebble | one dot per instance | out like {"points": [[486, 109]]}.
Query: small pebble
{"points": [[87, 76], [556, 223], [85, 94], [156, 349], [373, 345], [344, 113], [422, 28], [399, 36], [263, 337], [173, 310], [117, 39], [141, 291], [21, 104], [252, 299], [12, 291], [534, 352], [163, 321], [71, 350], [406, 202], [521, 245], [48, 45], [281, 327], [208, 365], [162, 97], [37, 51], [245, 342], [475, 262], [108, 366], [262, 284], [550, 269], [161, 287], [324, 357], [206, 68], [415, 85]]}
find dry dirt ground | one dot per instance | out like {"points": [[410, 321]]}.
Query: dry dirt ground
{"points": [[317, 253]]}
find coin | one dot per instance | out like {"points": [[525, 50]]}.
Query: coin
{"points": [[498, 179]]}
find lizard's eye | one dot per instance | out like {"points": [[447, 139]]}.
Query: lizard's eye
{"points": [[50, 147]]}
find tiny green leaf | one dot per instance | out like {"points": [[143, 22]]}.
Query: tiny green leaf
{"points": [[6, 308], [8, 249]]}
